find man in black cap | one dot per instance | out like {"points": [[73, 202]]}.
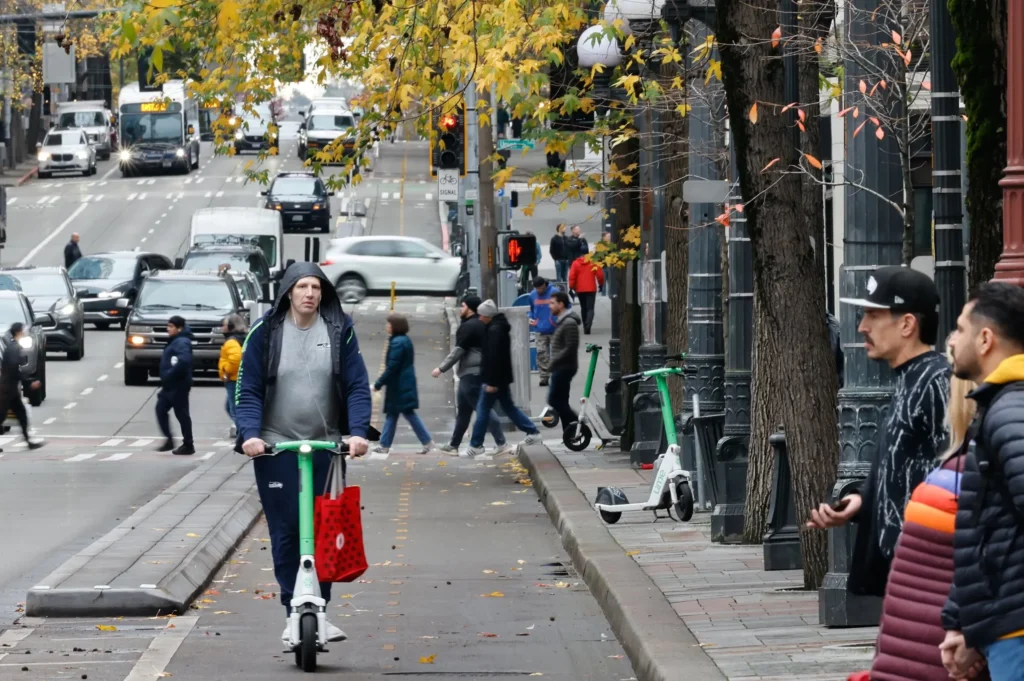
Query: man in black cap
{"points": [[900, 324]]}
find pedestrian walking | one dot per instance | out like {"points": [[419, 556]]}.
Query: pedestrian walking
{"points": [[496, 375], [468, 353], [910, 632], [399, 377], [542, 323], [12, 380], [900, 325], [175, 386], [984, 614], [234, 330], [559, 252], [565, 348], [71, 251], [578, 245], [302, 377], [585, 278]]}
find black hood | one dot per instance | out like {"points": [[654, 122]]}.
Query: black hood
{"points": [[330, 304], [186, 332]]}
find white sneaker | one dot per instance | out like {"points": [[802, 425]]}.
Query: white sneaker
{"points": [[429, 447], [533, 439], [381, 450], [448, 449], [335, 634], [286, 635], [504, 450], [474, 452]]}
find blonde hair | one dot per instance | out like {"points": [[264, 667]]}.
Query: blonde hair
{"points": [[960, 410]]}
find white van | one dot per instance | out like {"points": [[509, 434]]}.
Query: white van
{"points": [[94, 117], [259, 226]]}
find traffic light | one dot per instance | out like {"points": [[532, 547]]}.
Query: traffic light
{"points": [[26, 29], [519, 250], [448, 141]]}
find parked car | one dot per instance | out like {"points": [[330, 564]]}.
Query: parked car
{"points": [[65, 151], [49, 290], [360, 266], [102, 279], [14, 307], [202, 298], [302, 199]]}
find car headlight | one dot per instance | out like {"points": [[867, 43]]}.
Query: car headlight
{"points": [[140, 329], [125, 155], [317, 206], [67, 310], [43, 156], [180, 153], [25, 342], [137, 340], [82, 155], [108, 294], [239, 135], [275, 206]]}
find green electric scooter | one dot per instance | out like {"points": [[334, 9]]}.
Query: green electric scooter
{"points": [[671, 487], [592, 420], [307, 625]]}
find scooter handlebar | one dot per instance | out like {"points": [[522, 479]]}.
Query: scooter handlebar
{"points": [[631, 378], [304, 447]]}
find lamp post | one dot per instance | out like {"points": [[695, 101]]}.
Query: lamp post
{"points": [[1010, 267]]}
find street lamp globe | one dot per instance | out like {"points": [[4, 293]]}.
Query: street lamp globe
{"points": [[640, 10], [594, 47], [612, 13]]}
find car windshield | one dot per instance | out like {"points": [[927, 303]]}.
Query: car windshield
{"points": [[42, 284], [199, 261], [11, 311], [9, 283], [330, 122], [152, 128], [266, 242], [92, 267], [295, 185], [82, 119], [58, 139], [169, 294]]}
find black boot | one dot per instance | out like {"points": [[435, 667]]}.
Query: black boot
{"points": [[167, 446], [185, 450]]}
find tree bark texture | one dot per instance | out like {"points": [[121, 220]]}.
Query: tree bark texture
{"points": [[980, 67], [793, 363]]}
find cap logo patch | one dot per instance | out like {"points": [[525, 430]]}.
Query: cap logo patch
{"points": [[872, 284], [897, 300]]}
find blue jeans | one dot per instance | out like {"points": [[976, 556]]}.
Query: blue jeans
{"points": [[387, 436], [230, 405], [483, 412], [562, 270], [1006, 659], [466, 399]]}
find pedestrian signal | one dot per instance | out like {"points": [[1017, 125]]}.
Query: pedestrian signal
{"points": [[519, 250]]}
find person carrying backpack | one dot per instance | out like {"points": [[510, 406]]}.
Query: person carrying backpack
{"points": [[984, 614]]}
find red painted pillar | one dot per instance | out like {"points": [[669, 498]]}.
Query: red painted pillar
{"points": [[1011, 264]]}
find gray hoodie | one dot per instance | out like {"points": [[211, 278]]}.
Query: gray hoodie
{"points": [[565, 342]]}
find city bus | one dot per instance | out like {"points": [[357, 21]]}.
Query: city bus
{"points": [[159, 129]]}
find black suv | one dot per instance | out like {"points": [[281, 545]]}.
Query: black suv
{"points": [[107, 283], [49, 290], [302, 199], [202, 298]]}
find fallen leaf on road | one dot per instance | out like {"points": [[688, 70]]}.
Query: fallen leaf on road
{"points": [[499, 503], [442, 464], [493, 594], [632, 553], [106, 627], [466, 484], [615, 657], [489, 572], [164, 675], [429, 659], [264, 597], [487, 635], [542, 586], [562, 585], [521, 562], [207, 600], [192, 534], [347, 596], [222, 612], [240, 591], [212, 592]]}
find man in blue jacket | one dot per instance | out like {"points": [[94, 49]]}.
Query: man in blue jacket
{"points": [[302, 378], [542, 324], [175, 386]]}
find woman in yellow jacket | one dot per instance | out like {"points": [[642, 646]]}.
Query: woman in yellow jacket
{"points": [[233, 328]]}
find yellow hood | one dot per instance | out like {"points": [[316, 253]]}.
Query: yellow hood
{"points": [[1009, 370]]}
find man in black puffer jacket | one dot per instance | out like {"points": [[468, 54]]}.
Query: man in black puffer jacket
{"points": [[984, 615]]}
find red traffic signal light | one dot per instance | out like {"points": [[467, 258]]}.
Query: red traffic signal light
{"points": [[520, 250], [448, 121]]}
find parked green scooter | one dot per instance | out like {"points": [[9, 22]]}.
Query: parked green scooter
{"points": [[593, 420]]}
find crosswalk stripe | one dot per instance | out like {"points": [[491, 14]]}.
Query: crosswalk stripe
{"points": [[382, 308], [12, 200], [141, 442], [55, 199], [206, 456], [142, 196], [4, 441], [429, 196], [79, 457], [141, 182], [384, 196], [131, 197], [43, 199], [113, 442], [224, 443], [208, 194], [120, 456]]}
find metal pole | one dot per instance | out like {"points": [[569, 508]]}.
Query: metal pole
{"points": [[873, 238], [471, 186], [488, 231], [1011, 263], [947, 199]]}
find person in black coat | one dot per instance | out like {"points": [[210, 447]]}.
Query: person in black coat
{"points": [[72, 253], [496, 374], [175, 386], [559, 252], [11, 380], [984, 615]]}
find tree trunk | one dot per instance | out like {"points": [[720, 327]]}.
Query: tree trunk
{"points": [[793, 360], [980, 66], [675, 131]]}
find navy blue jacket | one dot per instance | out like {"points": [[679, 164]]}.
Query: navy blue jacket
{"points": [[261, 355], [176, 362], [399, 377]]}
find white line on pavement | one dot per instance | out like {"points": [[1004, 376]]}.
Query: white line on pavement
{"points": [[49, 420], [142, 442], [12, 200], [377, 456], [86, 391], [220, 194], [157, 222], [131, 197], [78, 457], [384, 196], [120, 456], [429, 196], [142, 196], [222, 443], [12, 637], [163, 215], [142, 240], [71, 405], [55, 199], [188, 181], [150, 181], [208, 194], [206, 456], [140, 182], [170, 196], [108, 174], [154, 661], [102, 378], [49, 237], [119, 365], [113, 442], [43, 199], [151, 228]]}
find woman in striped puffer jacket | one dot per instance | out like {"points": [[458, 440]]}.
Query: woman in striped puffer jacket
{"points": [[922, 569]]}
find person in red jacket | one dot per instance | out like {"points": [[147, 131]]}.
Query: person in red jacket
{"points": [[585, 278]]}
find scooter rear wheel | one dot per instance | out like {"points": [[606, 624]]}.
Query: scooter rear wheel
{"points": [[305, 653], [549, 419], [570, 440]]}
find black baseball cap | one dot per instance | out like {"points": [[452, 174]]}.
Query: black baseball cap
{"points": [[900, 289]]}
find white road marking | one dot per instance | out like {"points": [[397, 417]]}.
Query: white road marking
{"points": [[49, 237], [154, 661], [429, 196], [119, 365], [4, 441], [86, 391], [206, 456], [55, 199], [142, 241], [220, 194], [99, 197], [49, 420], [113, 442], [157, 222], [199, 179], [422, 307], [109, 173], [384, 196], [163, 215], [170, 196], [188, 181], [78, 457], [131, 197], [71, 405], [222, 443], [102, 378], [104, 184], [10, 638], [141, 182], [382, 308], [46, 185], [43, 199], [120, 456], [142, 196], [152, 228], [208, 194], [150, 181], [141, 442], [12, 200]]}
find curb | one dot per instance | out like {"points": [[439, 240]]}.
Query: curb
{"points": [[657, 641], [173, 592]]}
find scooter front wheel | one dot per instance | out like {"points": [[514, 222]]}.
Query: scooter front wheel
{"points": [[305, 653], [576, 443], [684, 505], [608, 498]]}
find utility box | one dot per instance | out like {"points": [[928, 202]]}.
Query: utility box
{"points": [[519, 319]]}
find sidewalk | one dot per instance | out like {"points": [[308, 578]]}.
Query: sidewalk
{"points": [[15, 177], [754, 625]]}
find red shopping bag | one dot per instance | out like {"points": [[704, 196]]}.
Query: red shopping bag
{"points": [[338, 530]]}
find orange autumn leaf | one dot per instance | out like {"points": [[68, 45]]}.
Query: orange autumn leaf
{"points": [[723, 219], [801, 126], [926, 84], [883, 84], [908, 57], [859, 128], [873, 88], [776, 36], [896, 37], [817, 46], [801, 114], [862, 86], [738, 207], [813, 161], [770, 164], [788, 107], [856, 112], [875, 121], [845, 111], [879, 133], [753, 114]]}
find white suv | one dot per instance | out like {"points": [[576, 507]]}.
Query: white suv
{"points": [[66, 151], [362, 265]]}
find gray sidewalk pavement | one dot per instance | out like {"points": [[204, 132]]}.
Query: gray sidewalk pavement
{"points": [[19, 175]]}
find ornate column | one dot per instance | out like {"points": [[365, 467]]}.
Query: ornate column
{"points": [[1011, 264]]}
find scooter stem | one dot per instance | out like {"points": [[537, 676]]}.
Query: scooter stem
{"points": [[590, 374], [305, 503]]}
